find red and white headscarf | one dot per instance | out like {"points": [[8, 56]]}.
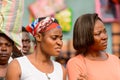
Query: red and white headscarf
{"points": [[42, 25]]}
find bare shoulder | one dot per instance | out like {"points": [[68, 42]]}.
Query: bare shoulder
{"points": [[13, 70], [13, 65]]}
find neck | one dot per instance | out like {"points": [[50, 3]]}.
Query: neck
{"points": [[99, 55], [40, 57], [3, 66], [3, 69]]}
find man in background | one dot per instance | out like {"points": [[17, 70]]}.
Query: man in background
{"points": [[6, 48], [26, 42], [26, 45]]}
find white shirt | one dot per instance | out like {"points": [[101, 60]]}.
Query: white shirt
{"points": [[30, 72], [10, 59]]}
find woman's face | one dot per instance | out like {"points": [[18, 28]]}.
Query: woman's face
{"points": [[100, 36], [51, 43]]}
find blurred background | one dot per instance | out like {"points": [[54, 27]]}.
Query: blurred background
{"points": [[67, 11]]}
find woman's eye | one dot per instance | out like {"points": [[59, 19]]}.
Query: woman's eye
{"points": [[54, 37], [57, 37], [97, 33]]}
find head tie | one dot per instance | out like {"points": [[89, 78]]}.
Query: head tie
{"points": [[43, 25]]}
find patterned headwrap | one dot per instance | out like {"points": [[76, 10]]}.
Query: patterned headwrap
{"points": [[42, 25]]}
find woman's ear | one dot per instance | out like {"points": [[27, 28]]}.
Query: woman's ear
{"points": [[38, 37]]}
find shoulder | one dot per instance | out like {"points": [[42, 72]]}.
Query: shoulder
{"points": [[13, 64], [112, 56], [57, 65], [75, 67], [60, 69], [114, 60], [75, 60], [76, 64], [61, 66], [13, 70]]}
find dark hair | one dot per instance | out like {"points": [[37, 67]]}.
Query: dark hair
{"points": [[6, 37], [23, 29], [83, 32]]}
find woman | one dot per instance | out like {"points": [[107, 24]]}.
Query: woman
{"points": [[38, 65], [92, 62]]}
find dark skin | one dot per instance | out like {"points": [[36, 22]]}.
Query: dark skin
{"points": [[5, 53], [100, 36], [26, 43], [96, 51], [47, 45]]}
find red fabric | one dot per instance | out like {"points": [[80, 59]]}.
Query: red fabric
{"points": [[51, 26]]}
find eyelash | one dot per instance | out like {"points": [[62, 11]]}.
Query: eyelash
{"points": [[55, 37], [100, 32]]}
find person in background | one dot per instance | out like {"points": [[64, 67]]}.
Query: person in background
{"points": [[92, 61], [25, 42], [38, 65], [26, 45], [6, 48]]}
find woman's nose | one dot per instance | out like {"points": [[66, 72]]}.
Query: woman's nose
{"points": [[60, 42], [104, 36]]}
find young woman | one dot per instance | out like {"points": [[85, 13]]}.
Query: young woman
{"points": [[38, 65], [92, 62]]}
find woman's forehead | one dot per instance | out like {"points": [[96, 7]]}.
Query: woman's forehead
{"points": [[54, 31]]}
